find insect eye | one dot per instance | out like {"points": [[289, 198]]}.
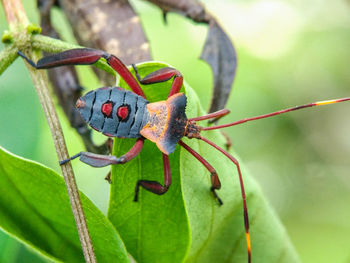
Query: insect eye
{"points": [[106, 108], [123, 112]]}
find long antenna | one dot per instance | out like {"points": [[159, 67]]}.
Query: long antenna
{"points": [[319, 103]]}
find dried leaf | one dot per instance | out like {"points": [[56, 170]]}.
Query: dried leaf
{"points": [[192, 9], [218, 50], [220, 54]]}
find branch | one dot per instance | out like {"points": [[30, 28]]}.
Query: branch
{"points": [[40, 82], [18, 21], [7, 56]]}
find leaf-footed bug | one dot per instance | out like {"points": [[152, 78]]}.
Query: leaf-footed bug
{"points": [[120, 113]]}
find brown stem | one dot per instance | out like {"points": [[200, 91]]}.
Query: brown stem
{"points": [[17, 19]]}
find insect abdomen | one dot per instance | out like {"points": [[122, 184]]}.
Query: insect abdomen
{"points": [[114, 111]]}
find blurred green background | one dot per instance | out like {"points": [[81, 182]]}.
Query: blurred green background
{"points": [[289, 53]]}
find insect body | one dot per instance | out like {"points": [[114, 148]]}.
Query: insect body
{"points": [[119, 113]]}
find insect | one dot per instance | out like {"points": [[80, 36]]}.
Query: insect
{"points": [[119, 113]]}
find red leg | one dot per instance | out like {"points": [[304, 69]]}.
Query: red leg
{"points": [[162, 75], [80, 56], [154, 186], [98, 160], [123, 71], [86, 56], [245, 209], [215, 182]]}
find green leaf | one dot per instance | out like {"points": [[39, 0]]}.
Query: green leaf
{"points": [[34, 208], [12, 250], [186, 223]]}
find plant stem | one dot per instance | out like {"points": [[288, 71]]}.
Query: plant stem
{"points": [[40, 82], [18, 21], [7, 56]]}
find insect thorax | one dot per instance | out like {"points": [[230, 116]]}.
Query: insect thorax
{"points": [[166, 122]]}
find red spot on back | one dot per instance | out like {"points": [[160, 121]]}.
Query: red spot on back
{"points": [[106, 108], [123, 112]]}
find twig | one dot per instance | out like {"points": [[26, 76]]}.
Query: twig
{"points": [[18, 21], [41, 84], [7, 56]]}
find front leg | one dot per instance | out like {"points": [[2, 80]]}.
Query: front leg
{"points": [[99, 160]]}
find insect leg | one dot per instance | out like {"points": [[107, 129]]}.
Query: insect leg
{"points": [[245, 209], [123, 71], [99, 160], [162, 75], [215, 182], [154, 186], [78, 56], [86, 56]]}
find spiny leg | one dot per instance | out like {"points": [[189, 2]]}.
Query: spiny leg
{"points": [[162, 75], [99, 160], [79, 56], [215, 182], [86, 56], [154, 186], [245, 209]]}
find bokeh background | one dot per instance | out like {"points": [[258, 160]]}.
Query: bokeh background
{"points": [[290, 52]]}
